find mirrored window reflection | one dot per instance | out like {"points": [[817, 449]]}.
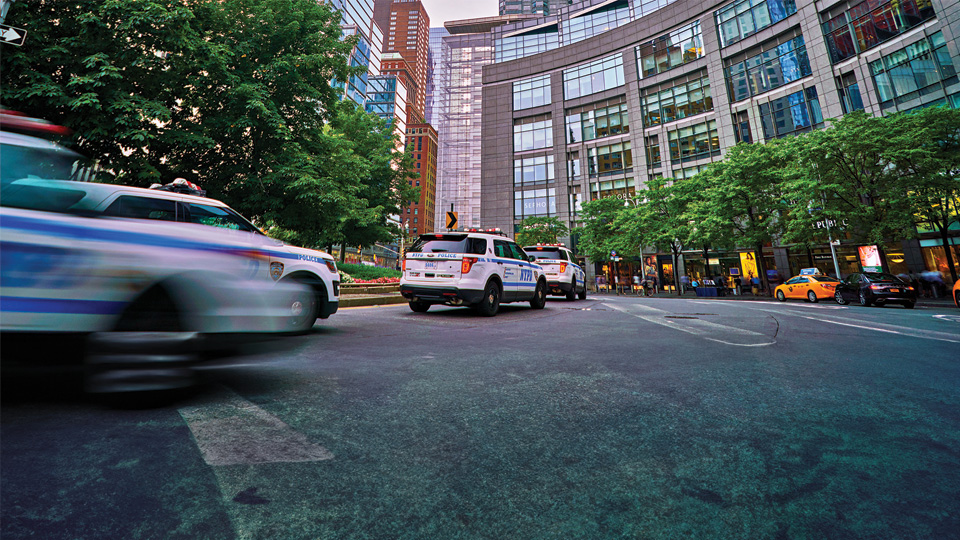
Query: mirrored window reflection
{"points": [[920, 69], [698, 141], [797, 113], [747, 17], [671, 50], [676, 102], [768, 70], [870, 23], [597, 120], [532, 133], [531, 93], [593, 77]]}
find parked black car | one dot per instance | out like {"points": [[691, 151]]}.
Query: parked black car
{"points": [[875, 288]]}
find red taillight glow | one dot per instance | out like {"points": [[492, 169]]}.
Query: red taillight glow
{"points": [[403, 267], [563, 267], [875, 287], [467, 264]]}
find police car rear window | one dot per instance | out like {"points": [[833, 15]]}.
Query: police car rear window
{"points": [[450, 243], [547, 253], [48, 199]]}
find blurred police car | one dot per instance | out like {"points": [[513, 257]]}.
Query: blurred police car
{"points": [[283, 262], [564, 276], [481, 268], [143, 297]]}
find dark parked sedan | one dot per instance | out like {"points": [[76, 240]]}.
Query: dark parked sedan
{"points": [[875, 288]]}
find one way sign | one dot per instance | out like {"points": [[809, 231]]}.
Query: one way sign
{"points": [[11, 35]]}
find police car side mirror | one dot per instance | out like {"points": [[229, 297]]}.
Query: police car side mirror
{"points": [[531, 258]]}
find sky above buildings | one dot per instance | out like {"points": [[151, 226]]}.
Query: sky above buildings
{"points": [[441, 11]]}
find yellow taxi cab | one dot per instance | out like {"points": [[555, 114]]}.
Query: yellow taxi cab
{"points": [[810, 285], [956, 293]]}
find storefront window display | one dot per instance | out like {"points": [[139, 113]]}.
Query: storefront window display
{"points": [[935, 259]]}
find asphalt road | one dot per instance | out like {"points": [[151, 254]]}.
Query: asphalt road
{"points": [[614, 417]]}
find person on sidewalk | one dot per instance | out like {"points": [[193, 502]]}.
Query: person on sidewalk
{"points": [[737, 286], [721, 286], [684, 283]]}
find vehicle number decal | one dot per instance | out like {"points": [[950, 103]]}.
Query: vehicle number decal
{"points": [[526, 274], [431, 265]]}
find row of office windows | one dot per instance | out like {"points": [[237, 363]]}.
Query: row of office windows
{"points": [[870, 23], [792, 114], [610, 159], [677, 102], [919, 69], [596, 22], [694, 142], [747, 17], [770, 69], [597, 120], [593, 77], [530, 93], [533, 170], [513, 47], [532, 133], [534, 202], [670, 50]]}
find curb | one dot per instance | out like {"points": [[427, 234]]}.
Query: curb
{"points": [[371, 300]]}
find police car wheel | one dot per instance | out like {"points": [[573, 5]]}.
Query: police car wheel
{"points": [[539, 296], [572, 293], [490, 303], [419, 307], [583, 292], [304, 308]]}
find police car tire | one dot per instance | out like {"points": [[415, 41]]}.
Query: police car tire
{"points": [[583, 292], [490, 303], [539, 299], [419, 306], [303, 323], [572, 293]]}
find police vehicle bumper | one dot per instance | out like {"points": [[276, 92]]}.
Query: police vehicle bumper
{"points": [[441, 295], [558, 287]]}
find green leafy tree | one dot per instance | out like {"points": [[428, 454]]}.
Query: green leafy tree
{"points": [[740, 200], [935, 192], [600, 234], [659, 218], [541, 230], [850, 176]]}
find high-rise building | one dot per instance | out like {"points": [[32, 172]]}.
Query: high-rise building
{"points": [[461, 50], [387, 98], [356, 18], [419, 217], [608, 94], [406, 28]]}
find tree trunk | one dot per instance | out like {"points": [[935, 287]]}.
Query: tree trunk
{"points": [[945, 241], [676, 274], [762, 268], [343, 253]]}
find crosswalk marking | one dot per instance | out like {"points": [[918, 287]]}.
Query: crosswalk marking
{"points": [[234, 431]]}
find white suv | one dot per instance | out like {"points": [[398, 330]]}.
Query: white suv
{"points": [[478, 268], [281, 262], [564, 276]]}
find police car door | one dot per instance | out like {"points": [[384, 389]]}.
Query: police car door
{"points": [[526, 282], [508, 269]]}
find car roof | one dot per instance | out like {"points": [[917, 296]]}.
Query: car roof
{"points": [[97, 193]]}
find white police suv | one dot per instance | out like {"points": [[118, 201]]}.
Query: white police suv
{"points": [[564, 276], [282, 263], [481, 268]]}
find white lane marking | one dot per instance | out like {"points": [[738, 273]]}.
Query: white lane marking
{"points": [[878, 327], [234, 431], [695, 331], [949, 318]]}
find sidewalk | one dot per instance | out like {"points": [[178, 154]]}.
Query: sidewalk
{"points": [[690, 295], [370, 295]]}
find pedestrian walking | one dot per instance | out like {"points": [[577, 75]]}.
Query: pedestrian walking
{"points": [[737, 286]]}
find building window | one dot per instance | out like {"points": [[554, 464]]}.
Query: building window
{"points": [[676, 102], [670, 50], [687, 172], [768, 70], [531, 93], [796, 113], [534, 202], [919, 69], [694, 142], [533, 171], [623, 188], [609, 159], [868, 24], [596, 22], [747, 17], [520, 46], [532, 133], [594, 77], [653, 151], [741, 126], [573, 166], [597, 120], [849, 91]]}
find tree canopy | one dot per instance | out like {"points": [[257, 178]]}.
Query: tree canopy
{"points": [[234, 95], [541, 230]]}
